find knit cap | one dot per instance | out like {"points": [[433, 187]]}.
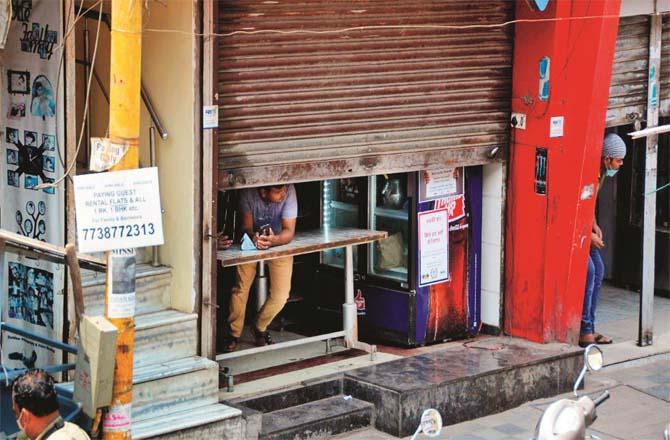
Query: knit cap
{"points": [[614, 146]]}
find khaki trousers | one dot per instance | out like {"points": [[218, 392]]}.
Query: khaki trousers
{"points": [[280, 271]]}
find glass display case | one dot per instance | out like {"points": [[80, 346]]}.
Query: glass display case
{"points": [[377, 202], [341, 208], [389, 212]]}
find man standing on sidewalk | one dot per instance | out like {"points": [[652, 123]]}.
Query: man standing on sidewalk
{"points": [[264, 211], [613, 153]]}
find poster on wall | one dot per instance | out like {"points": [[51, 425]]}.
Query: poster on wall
{"points": [[32, 137], [433, 246]]}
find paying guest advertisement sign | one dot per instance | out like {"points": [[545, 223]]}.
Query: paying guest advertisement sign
{"points": [[118, 210], [433, 246]]}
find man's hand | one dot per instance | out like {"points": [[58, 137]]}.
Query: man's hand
{"points": [[265, 241], [223, 242], [597, 241], [597, 231]]}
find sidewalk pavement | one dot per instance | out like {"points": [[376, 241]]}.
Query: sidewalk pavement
{"points": [[638, 409]]}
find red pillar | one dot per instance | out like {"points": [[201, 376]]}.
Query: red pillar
{"points": [[548, 235]]}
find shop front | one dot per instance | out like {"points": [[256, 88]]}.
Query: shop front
{"points": [[390, 120]]}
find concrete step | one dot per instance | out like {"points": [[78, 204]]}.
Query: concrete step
{"points": [[165, 335], [151, 287], [212, 421], [169, 387], [319, 419]]}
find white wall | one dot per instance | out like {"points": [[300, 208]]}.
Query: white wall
{"points": [[492, 236]]}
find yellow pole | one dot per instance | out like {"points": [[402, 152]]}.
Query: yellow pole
{"points": [[124, 128]]}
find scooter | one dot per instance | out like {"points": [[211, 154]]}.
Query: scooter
{"points": [[568, 419]]}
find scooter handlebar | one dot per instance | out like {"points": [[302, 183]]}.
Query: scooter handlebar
{"points": [[600, 399]]}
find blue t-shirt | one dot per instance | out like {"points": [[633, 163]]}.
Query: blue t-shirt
{"points": [[265, 213]]}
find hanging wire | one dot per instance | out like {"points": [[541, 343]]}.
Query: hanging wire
{"points": [[67, 172]]}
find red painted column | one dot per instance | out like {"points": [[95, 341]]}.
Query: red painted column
{"points": [[548, 235]]}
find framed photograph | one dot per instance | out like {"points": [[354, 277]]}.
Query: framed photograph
{"points": [[13, 179], [12, 157], [29, 138], [49, 142], [18, 82], [49, 164], [12, 136], [31, 182]]}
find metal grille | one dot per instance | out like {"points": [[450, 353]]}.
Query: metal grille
{"points": [[628, 89], [292, 102]]}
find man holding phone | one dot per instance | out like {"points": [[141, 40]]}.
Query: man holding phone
{"points": [[268, 217]]}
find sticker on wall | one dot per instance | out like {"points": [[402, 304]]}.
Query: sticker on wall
{"points": [[121, 302], [540, 170], [42, 102], [556, 124], [538, 5], [33, 225], [105, 153], [210, 116], [545, 70], [38, 39], [653, 93], [17, 107]]}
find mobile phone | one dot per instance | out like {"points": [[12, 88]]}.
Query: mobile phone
{"points": [[265, 229]]}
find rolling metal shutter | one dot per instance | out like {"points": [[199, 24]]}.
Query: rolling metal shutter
{"points": [[367, 100], [628, 89]]}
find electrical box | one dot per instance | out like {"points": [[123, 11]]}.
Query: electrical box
{"points": [[94, 374]]}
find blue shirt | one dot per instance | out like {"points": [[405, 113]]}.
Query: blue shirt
{"points": [[268, 213]]}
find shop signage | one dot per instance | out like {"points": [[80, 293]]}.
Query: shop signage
{"points": [[433, 247], [118, 210], [455, 206]]}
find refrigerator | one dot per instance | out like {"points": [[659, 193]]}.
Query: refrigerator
{"points": [[410, 290]]}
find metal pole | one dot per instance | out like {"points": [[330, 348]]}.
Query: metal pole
{"points": [[152, 159], [261, 286], [124, 127], [349, 315], [646, 327]]}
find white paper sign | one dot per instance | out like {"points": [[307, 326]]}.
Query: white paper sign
{"points": [[121, 303], [556, 126], [441, 183], [210, 116], [118, 210], [433, 246]]}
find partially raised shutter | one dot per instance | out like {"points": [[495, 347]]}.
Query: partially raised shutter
{"points": [[628, 89], [366, 100]]}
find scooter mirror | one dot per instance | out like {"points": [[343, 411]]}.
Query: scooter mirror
{"points": [[431, 424], [593, 357], [593, 360]]}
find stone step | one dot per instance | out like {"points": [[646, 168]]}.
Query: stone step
{"points": [[165, 335], [214, 421], [464, 381], [151, 287], [169, 387], [319, 419]]}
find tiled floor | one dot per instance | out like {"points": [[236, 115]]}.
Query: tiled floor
{"points": [[618, 310]]}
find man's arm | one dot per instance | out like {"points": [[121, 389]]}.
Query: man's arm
{"points": [[284, 237]]}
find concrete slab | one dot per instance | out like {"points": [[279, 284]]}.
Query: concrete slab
{"points": [[297, 377], [463, 382]]}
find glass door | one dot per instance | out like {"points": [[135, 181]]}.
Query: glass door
{"points": [[341, 199], [389, 207]]}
